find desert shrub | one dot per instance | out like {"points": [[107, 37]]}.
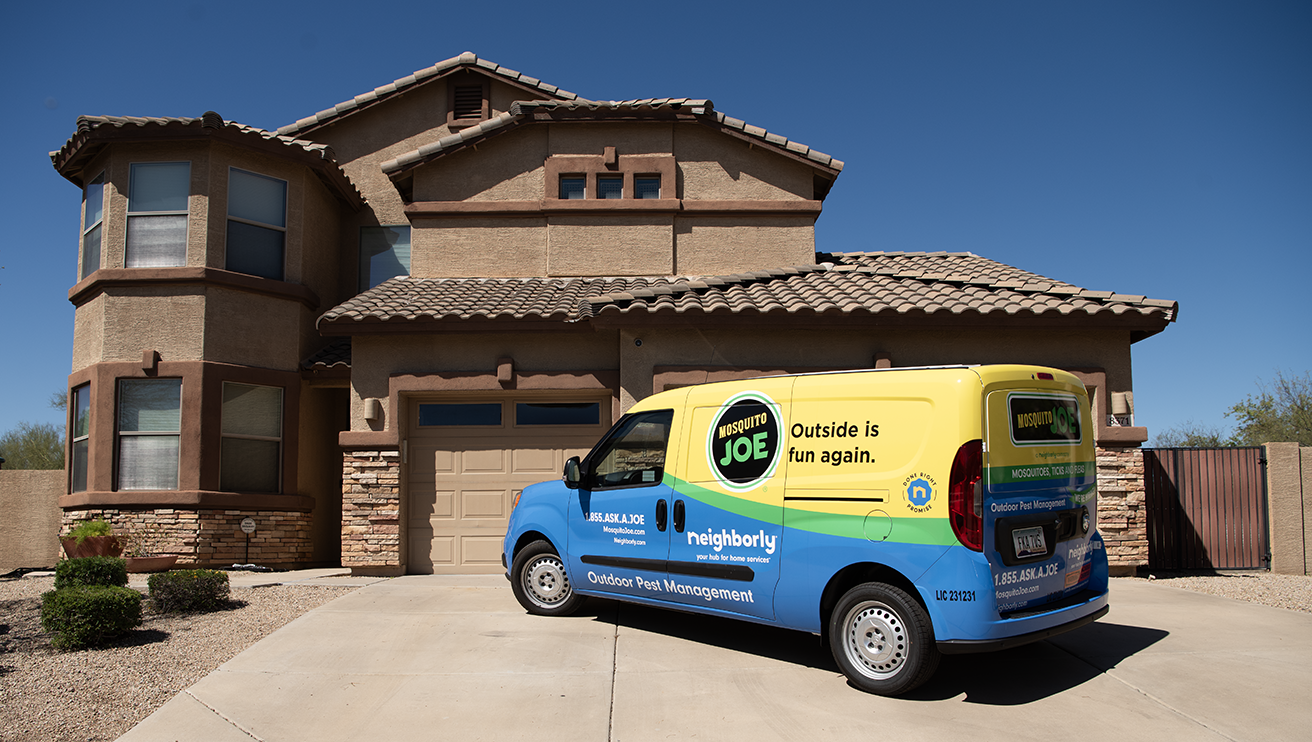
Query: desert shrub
{"points": [[188, 590], [87, 616], [91, 571], [90, 528]]}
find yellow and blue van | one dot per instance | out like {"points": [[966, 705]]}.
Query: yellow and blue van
{"points": [[903, 513]]}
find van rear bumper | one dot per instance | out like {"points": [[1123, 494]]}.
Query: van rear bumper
{"points": [[969, 646]]}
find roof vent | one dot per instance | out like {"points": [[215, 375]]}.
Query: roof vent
{"points": [[468, 103], [211, 120]]}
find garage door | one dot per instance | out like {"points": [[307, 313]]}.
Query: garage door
{"points": [[467, 460]]}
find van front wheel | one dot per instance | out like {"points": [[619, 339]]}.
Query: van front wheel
{"points": [[882, 639], [540, 583]]}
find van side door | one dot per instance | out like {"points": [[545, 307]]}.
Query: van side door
{"points": [[726, 541]]}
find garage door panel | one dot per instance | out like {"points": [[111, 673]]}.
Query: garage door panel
{"points": [[534, 460], [481, 550], [427, 503], [483, 503], [482, 462]]}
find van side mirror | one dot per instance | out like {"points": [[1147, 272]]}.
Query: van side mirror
{"points": [[573, 473]]}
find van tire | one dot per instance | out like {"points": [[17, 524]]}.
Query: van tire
{"points": [[882, 639], [540, 583]]}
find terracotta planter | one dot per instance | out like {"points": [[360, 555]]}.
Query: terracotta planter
{"points": [[152, 563], [92, 546]]}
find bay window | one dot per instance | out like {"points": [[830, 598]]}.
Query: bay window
{"points": [[157, 214], [257, 224], [80, 433], [93, 212], [149, 431], [251, 449]]}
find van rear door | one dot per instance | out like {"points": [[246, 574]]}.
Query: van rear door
{"points": [[1040, 495]]}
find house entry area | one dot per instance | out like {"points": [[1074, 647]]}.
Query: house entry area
{"points": [[469, 457]]}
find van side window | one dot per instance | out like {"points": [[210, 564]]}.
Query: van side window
{"points": [[633, 455]]}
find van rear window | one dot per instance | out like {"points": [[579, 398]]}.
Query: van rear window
{"points": [[1044, 419]]}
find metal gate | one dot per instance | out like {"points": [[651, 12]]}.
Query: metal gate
{"points": [[1207, 508]]}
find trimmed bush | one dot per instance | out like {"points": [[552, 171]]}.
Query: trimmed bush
{"points": [[91, 571], [188, 590], [88, 616]]}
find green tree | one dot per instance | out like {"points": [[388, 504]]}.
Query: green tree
{"points": [[1190, 434], [1280, 412], [33, 446]]}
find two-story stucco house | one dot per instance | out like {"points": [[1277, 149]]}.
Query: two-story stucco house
{"points": [[367, 330]]}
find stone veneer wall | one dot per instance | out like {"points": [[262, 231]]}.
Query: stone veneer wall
{"points": [[371, 512], [1122, 518], [207, 538]]}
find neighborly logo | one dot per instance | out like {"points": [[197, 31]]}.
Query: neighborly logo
{"points": [[920, 491], [744, 443]]}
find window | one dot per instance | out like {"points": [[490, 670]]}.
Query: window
{"points": [[610, 186], [557, 413], [251, 450], [257, 224], [149, 427], [384, 254], [93, 212], [573, 187], [80, 434], [647, 186], [467, 413], [157, 214], [633, 455]]}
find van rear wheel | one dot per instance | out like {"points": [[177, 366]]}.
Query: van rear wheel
{"points": [[882, 639], [540, 583]]}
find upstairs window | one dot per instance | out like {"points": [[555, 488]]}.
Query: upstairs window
{"points": [[251, 451], [610, 186], [80, 434], [257, 224], [93, 212], [646, 186], [573, 187], [149, 433], [384, 254], [157, 214]]}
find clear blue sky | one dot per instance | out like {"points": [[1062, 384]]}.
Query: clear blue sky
{"points": [[1158, 148]]}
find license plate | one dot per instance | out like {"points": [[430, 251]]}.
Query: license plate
{"points": [[1029, 542]]}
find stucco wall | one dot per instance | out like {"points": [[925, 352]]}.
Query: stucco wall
{"points": [[252, 330], [169, 319], [1289, 498], [716, 166], [723, 245], [29, 518], [605, 245], [506, 168], [479, 246]]}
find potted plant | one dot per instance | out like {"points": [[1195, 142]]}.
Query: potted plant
{"points": [[139, 544], [91, 538]]}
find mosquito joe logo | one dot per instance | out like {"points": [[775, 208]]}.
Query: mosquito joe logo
{"points": [[743, 444], [1044, 419]]}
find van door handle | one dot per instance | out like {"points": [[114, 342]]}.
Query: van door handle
{"points": [[662, 511], [678, 515]]}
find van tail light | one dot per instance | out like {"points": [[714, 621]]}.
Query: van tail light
{"points": [[966, 495]]}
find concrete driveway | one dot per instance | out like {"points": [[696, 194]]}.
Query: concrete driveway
{"points": [[455, 658]]}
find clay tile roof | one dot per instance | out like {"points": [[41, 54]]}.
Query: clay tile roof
{"points": [[336, 353], [94, 131], [851, 284], [464, 61]]}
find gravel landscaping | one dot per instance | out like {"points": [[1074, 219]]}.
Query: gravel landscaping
{"points": [[100, 694]]}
